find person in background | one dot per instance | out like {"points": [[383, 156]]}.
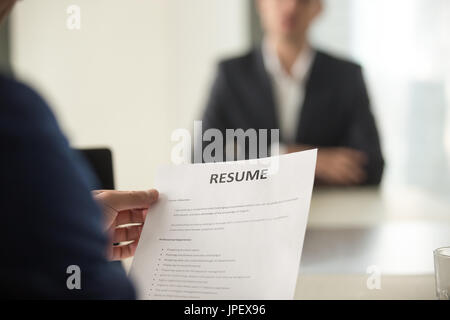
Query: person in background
{"points": [[315, 99], [52, 223]]}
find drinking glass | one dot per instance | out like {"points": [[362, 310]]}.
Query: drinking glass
{"points": [[442, 272]]}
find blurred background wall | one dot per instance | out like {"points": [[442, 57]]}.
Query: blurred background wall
{"points": [[135, 71], [139, 69]]}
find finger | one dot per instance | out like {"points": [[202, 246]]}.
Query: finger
{"points": [[355, 167], [355, 155], [123, 252], [127, 233], [125, 200], [348, 161], [349, 174], [343, 172], [130, 216], [109, 215]]}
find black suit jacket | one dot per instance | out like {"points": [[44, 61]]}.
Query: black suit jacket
{"points": [[335, 112], [49, 219]]}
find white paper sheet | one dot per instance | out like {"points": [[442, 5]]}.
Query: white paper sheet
{"points": [[232, 240]]}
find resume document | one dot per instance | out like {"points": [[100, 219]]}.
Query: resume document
{"points": [[230, 230]]}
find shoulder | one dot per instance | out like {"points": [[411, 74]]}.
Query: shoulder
{"points": [[239, 72], [239, 61], [14, 95], [21, 104], [340, 73], [31, 127], [336, 64], [243, 64]]}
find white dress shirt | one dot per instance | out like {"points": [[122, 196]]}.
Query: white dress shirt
{"points": [[288, 89]]}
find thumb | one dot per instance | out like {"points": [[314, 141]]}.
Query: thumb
{"points": [[126, 200]]}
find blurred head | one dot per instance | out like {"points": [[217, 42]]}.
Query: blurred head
{"points": [[288, 20], [5, 8]]}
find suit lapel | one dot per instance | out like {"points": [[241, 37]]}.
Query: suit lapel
{"points": [[316, 95], [267, 107]]}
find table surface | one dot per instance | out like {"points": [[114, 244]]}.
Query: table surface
{"points": [[353, 287], [350, 230]]}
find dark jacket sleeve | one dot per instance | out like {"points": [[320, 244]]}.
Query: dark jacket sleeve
{"points": [[49, 219], [361, 132]]}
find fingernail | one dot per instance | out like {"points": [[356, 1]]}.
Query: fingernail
{"points": [[154, 194]]}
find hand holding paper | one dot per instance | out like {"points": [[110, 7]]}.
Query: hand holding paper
{"points": [[229, 230]]}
